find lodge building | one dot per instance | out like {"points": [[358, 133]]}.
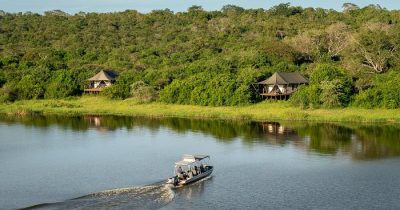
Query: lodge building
{"points": [[280, 85], [101, 80]]}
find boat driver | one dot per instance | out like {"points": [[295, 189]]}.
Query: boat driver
{"points": [[179, 170]]}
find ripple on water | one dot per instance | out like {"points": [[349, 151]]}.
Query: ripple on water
{"points": [[147, 197]]}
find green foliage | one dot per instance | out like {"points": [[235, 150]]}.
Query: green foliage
{"points": [[55, 60], [369, 98], [2, 77], [7, 94], [231, 9], [33, 85], [203, 57], [180, 91], [62, 85], [122, 87], [331, 93], [209, 89], [143, 92], [325, 72], [286, 10], [384, 93], [329, 87], [335, 81], [307, 96], [377, 48], [117, 91]]}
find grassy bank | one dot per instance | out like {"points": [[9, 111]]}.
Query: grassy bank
{"points": [[91, 105]]}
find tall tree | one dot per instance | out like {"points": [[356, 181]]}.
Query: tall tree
{"points": [[349, 7], [375, 48], [337, 38]]}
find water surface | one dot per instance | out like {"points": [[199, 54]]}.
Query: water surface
{"points": [[120, 163]]}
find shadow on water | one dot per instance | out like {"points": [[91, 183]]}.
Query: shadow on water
{"points": [[358, 141], [147, 197]]}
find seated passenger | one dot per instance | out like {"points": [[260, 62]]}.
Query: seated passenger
{"points": [[180, 176], [176, 181], [201, 168], [184, 175]]}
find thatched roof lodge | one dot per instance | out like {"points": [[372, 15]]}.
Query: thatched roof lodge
{"points": [[281, 85], [101, 80]]}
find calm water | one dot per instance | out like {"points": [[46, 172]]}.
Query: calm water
{"points": [[121, 162]]}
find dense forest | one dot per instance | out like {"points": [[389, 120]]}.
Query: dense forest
{"points": [[205, 57]]}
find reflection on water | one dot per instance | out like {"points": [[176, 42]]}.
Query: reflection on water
{"points": [[358, 141], [184, 196], [328, 139], [278, 134], [361, 141], [193, 190]]}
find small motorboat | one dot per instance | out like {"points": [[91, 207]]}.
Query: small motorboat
{"points": [[190, 169]]}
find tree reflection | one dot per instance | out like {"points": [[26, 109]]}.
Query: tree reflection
{"points": [[359, 141], [325, 138], [375, 142]]}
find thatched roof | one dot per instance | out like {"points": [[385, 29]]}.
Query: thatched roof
{"points": [[285, 78], [104, 75]]}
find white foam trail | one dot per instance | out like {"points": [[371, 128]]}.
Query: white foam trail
{"points": [[147, 197]]}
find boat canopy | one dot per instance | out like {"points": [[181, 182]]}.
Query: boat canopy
{"points": [[189, 159]]}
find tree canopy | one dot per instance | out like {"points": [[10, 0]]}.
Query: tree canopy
{"points": [[202, 57]]}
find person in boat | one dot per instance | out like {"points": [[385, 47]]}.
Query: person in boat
{"points": [[184, 175], [196, 170], [190, 175], [176, 181], [179, 170], [180, 176], [201, 168], [180, 173]]}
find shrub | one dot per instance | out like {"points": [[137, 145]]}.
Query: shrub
{"points": [[29, 88], [117, 91], [329, 86], [366, 99], [33, 84], [209, 89], [384, 93], [121, 89], [324, 72], [61, 85], [306, 96], [331, 93], [7, 94], [143, 92]]}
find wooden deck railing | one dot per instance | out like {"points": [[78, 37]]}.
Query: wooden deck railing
{"points": [[93, 90]]}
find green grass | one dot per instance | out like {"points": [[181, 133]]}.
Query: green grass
{"points": [[92, 105]]}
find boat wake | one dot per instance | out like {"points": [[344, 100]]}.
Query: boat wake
{"points": [[147, 197]]}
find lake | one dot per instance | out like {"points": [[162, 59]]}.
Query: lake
{"points": [[58, 162]]}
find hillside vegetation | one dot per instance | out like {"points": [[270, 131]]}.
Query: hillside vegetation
{"points": [[202, 57]]}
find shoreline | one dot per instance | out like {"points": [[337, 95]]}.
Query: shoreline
{"points": [[265, 111]]}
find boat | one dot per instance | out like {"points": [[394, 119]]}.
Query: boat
{"points": [[190, 169]]}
